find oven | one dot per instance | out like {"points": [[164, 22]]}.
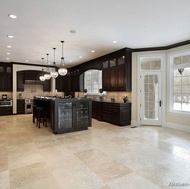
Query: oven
{"points": [[28, 106], [6, 103]]}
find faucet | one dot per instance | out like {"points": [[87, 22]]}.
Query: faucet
{"points": [[69, 96]]}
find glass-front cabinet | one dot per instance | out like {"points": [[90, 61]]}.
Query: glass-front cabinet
{"points": [[65, 116], [82, 110]]}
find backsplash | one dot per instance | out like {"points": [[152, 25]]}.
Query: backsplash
{"points": [[35, 90], [118, 96], [9, 95]]}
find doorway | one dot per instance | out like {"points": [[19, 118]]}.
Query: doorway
{"points": [[150, 98], [150, 93]]}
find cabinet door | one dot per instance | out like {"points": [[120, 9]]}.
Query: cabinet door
{"points": [[82, 115], [121, 80], [75, 83], [113, 79], [2, 83], [8, 82], [116, 115], [105, 79], [47, 85], [20, 81], [64, 116]]}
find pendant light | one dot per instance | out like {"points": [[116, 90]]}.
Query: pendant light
{"points": [[62, 70], [54, 74], [47, 76], [42, 78]]}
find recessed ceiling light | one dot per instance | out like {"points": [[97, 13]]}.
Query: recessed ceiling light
{"points": [[7, 58], [80, 56], [70, 61], [114, 41], [73, 31], [8, 53], [10, 36], [12, 16], [8, 46], [92, 51], [26, 60]]}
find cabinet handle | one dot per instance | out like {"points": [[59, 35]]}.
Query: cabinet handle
{"points": [[160, 103]]}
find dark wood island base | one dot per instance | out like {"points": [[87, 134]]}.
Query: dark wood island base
{"points": [[66, 115]]}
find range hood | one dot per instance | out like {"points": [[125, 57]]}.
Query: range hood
{"points": [[33, 82]]}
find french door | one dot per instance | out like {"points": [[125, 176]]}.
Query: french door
{"points": [[150, 98]]}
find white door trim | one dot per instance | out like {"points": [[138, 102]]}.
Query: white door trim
{"points": [[162, 56]]}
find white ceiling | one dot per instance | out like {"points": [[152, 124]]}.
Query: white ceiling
{"points": [[42, 24]]}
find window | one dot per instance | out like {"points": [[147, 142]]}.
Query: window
{"points": [[180, 94], [93, 81]]}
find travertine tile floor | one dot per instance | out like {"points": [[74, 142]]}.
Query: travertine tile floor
{"points": [[103, 157]]}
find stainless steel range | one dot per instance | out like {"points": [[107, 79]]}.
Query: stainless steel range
{"points": [[28, 105]]}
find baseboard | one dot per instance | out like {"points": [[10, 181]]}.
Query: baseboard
{"points": [[177, 126], [134, 123]]}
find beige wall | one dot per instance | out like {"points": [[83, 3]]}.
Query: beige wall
{"points": [[177, 121]]}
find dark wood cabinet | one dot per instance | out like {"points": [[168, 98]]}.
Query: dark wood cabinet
{"points": [[46, 85], [20, 81], [115, 113], [75, 83], [116, 75], [20, 106], [97, 110], [5, 77], [67, 115], [6, 110], [30, 76], [62, 83]]}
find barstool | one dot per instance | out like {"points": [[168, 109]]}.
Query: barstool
{"points": [[41, 116], [34, 113]]}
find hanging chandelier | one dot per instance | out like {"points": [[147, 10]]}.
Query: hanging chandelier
{"points": [[47, 76], [54, 74], [42, 78], [62, 70]]}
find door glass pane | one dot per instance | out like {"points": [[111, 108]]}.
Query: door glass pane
{"points": [[151, 97], [64, 116], [151, 64]]}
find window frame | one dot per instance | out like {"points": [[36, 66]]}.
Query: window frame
{"points": [[173, 67], [99, 84]]}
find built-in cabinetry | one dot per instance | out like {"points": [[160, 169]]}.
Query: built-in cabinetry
{"points": [[5, 77], [116, 74], [20, 106], [6, 110], [63, 84], [30, 76], [75, 80], [115, 113], [116, 71]]}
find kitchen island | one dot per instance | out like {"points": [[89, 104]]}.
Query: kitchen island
{"points": [[66, 115]]}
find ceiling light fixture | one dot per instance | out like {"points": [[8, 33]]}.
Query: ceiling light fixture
{"points": [[73, 31], [47, 75], [10, 36], [8, 46], [54, 74], [42, 78], [8, 53], [12, 16], [62, 70], [7, 58], [92, 51], [114, 41]]}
